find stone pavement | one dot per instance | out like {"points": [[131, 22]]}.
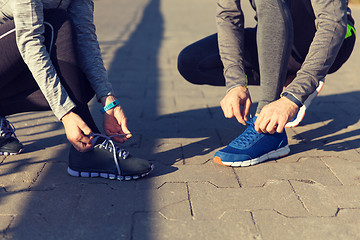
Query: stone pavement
{"points": [[314, 193]]}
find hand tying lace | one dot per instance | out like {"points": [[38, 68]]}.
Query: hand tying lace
{"points": [[111, 147]]}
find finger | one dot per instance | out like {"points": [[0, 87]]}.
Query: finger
{"points": [[82, 147], [125, 129], [224, 109], [119, 139], [84, 139], [237, 113], [262, 124], [281, 126], [271, 127], [246, 110], [85, 129], [257, 122], [86, 147]]}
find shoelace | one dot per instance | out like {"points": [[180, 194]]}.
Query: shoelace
{"points": [[247, 137], [6, 128], [109, 144]]}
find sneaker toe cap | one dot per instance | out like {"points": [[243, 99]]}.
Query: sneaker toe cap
{"points": [[11, 145], [228, 157], [134, 166]]}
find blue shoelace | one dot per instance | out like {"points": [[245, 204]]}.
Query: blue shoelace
{"points": [[247, 137]]}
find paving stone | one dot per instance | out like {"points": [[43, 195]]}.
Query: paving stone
{"points": [[344, 226], [232, 225], [5, 221], [210, 172], [346, 196], [170, 199], [277, 195], [316, 198], [348, 172], [304, 169], [19, 176]]}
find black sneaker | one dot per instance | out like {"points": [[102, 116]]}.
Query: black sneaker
{"points": [[103, 161], [9, 144]]}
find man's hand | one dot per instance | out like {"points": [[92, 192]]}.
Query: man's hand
{"points": [[114, 121], [236, 103], [275, 115], [77, 132]]}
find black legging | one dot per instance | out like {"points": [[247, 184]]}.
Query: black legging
{"points": [[18, 90]]}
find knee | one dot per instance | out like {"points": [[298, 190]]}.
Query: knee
{"points": [[186, 64]]}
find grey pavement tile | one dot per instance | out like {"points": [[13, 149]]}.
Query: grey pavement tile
{"points": [[41, 226], [217, 175], [347, 197], [74, 211], [39, 201], [273, 225], [277, 195], [316, 198], [19, 176], [347, 171], [171, 200], [325, 201], [192, 150], [305, 168], [231, 225], [167, 152], [5, 221]]}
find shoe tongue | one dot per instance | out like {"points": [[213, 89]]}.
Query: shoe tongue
{"points": [[99, 140], [251, 120]]}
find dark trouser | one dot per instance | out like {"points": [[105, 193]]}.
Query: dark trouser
{"points": [[200, 63], [18, 90]]}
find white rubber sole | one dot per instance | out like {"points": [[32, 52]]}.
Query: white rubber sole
{"points": [[281, 152], [301, 113], [107, 175], [9, 154]]}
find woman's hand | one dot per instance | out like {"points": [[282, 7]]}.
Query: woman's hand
{"points": [[234, 100], [114, 121], [77, 132]]}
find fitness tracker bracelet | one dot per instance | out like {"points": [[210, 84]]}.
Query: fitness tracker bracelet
{"points": [[110, 106]]}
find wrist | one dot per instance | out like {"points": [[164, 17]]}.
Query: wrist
{"points": [[107, 100], [292, 99], [66, 116], [111, 106], [290, 103]]}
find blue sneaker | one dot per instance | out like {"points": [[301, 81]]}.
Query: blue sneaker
{"points": [[251, 148]]}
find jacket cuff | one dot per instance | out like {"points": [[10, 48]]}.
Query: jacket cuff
{"points": [[235, 76]]}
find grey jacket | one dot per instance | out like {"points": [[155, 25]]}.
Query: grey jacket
{"points": [[330, 22], [29, 22]]}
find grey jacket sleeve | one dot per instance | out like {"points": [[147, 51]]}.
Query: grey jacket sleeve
{"points": [[230, 27], [81, 12], [28, 18], [331, 23]]}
